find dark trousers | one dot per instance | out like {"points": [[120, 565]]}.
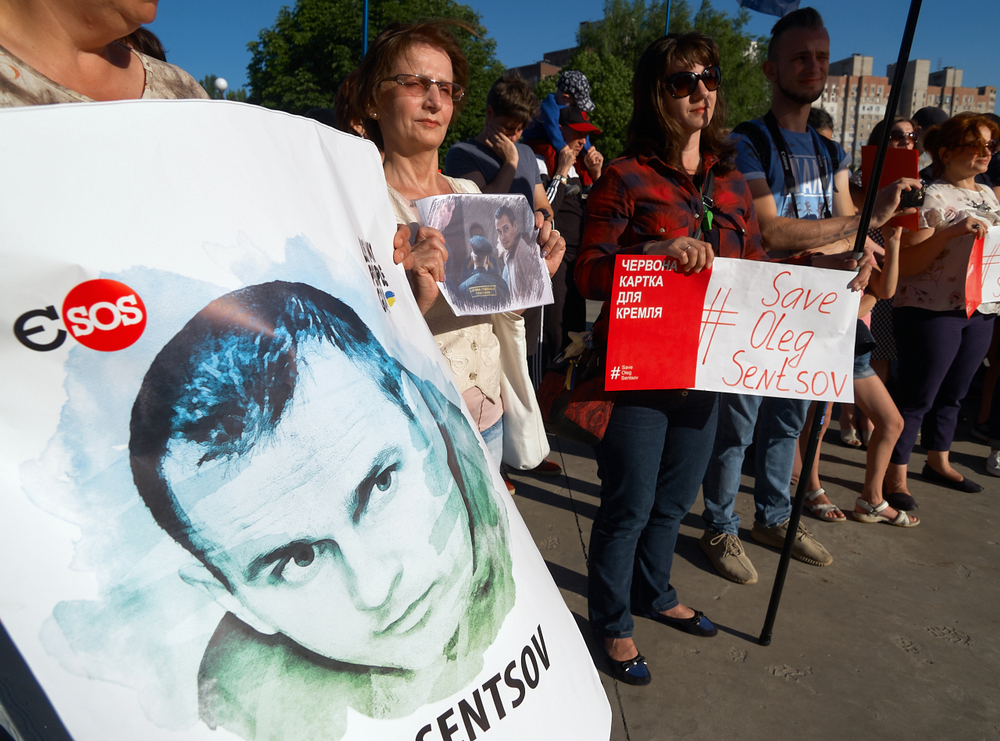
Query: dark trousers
{"points": [[939, 353], [568, 312], [651, 461]]}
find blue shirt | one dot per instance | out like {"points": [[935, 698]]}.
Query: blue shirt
{"points": [[802, 149]]}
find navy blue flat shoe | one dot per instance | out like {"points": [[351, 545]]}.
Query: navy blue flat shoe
{"points": [[696, 625], [900, 500], [967, 486], [634, 671]]}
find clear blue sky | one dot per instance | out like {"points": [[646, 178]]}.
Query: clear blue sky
{"points": [[211, 36]]}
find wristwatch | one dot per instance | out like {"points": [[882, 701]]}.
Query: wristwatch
{"points": [[562, 179]]}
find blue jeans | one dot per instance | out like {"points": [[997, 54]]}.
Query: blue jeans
{"points": [[780, 422], [493, 437], [651, 462]]}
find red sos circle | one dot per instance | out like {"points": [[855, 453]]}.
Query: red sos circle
{"points": [[104, 315]]}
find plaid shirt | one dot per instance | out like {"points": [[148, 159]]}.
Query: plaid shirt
{"points": [[640, 200]]}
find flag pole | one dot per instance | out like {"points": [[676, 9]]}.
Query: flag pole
{"points": [[807, 463], [364, 32], [895, 92], [666, 25]]}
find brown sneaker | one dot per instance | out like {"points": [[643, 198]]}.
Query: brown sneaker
{"points": [[806, 548], [726, 554]]}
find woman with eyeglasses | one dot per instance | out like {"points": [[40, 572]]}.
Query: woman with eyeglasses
{"points": [[410, 88], [939, 346], [658, 443]]}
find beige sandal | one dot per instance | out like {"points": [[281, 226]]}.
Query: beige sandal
{"points": [[824, 512], [873, 515]]}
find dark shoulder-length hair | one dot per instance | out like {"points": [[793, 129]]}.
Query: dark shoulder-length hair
{"points": [[652, 130], [952, 133], [379, 65]]}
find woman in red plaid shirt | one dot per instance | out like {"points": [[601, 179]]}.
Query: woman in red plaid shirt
{"points": [[656, 200]]}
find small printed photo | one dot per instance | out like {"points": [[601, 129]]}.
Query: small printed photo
{"points": [[494, 262]]}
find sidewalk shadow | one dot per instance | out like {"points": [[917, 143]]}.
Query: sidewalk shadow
{"points": [[526, 489], [568, 579]]}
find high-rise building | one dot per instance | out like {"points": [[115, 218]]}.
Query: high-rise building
{"points": [[857, 100]]}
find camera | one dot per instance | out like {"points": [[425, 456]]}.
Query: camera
{"points": [[911, 198]]}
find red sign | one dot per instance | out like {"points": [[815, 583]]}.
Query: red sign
{"points": [[656, 318]]}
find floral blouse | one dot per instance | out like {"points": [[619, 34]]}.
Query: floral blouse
{"points": [[941, 287]]}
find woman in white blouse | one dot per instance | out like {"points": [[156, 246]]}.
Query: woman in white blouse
{"points": [[939, 346]]}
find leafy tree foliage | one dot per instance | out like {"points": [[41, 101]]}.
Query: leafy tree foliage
{"points": [[299, 62], [611, 49], [208, 82]]}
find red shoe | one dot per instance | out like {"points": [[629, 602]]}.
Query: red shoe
{"points": [[510, 484], [546, 468]]}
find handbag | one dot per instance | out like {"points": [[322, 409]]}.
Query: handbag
{"points": [[574, 404], [525, 443]]}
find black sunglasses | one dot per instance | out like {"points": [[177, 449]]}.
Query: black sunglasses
{"points": [[683, 84], [902, 136]]}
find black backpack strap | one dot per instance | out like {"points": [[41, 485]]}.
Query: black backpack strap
{"points": [[759, 142]]}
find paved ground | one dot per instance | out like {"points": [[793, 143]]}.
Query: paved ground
{"points": [[898, 639]]}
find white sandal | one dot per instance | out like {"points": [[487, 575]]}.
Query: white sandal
{"points": [[873, 515], [820, 511]]}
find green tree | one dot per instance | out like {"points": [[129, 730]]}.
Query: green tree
{"points": [[747, 91], [299, 62], [208, 82], [630, 26]]}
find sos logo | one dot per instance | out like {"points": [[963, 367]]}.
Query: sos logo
{"points": [[103, 315]]}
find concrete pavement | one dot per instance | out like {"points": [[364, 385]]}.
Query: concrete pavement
{"points": [[899, 638]]}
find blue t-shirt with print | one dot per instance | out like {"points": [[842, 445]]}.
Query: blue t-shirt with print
{"points": [[802, 149]]}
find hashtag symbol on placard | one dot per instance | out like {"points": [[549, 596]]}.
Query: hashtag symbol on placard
{"points": [[990, 260], [616, 373], [708, 321]]}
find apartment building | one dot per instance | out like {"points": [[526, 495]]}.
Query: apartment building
{"points": [[857, 99]]}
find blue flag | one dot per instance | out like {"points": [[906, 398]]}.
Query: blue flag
{"points": [[771, 7]]}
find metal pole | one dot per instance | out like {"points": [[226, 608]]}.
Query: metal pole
{"points": [[793, 523], [890, 112], [364, 33]]}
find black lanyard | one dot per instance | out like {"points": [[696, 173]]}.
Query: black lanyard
{"points": [[786, 165]]}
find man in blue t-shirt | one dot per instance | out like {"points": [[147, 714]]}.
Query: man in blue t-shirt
{"points": [[806, 208]]}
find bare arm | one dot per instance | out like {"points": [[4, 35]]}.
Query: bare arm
{"points": [[783, 233], [884, 281], [920, 248], [827, 235]]}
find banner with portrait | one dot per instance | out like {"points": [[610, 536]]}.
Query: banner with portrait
{"points": [[240, 496]]}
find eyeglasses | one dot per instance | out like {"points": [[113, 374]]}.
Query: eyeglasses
{"points": [[982, 147], [683, 84], [902, 136], [417, 86]]}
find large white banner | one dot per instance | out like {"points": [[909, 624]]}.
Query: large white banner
{"points": [[239, 494]]}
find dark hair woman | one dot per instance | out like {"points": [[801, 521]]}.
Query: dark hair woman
{"points": [[658, 443], [940, 347]]}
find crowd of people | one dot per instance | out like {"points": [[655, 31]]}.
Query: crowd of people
{"points": [[777, 188]]}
